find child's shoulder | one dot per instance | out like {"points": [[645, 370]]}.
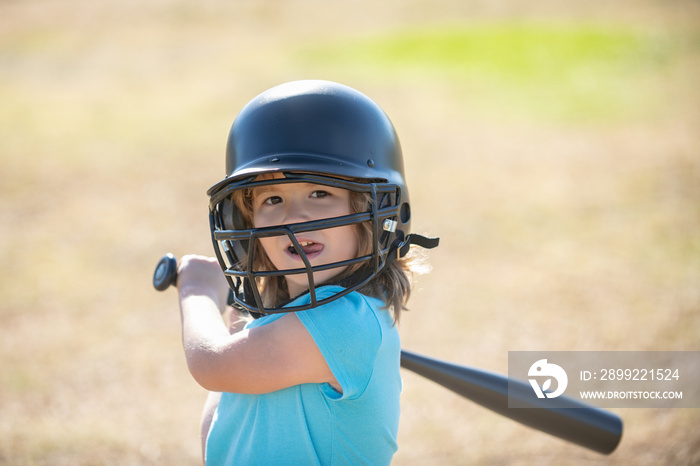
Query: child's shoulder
{"points": [[353, 310], [352, 303], [353, 313]]}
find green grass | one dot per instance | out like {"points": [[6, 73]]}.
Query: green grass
{"points": [[569, 71]]}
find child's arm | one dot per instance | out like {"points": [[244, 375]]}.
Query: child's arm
{"points": [[257, 360]]}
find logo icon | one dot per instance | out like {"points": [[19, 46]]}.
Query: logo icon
{"points": [[542, 368]]}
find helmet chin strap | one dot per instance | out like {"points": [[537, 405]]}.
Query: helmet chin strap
{"points": [[413, 238]]}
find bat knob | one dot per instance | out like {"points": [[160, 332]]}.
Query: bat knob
{"points": [[165, 273]]}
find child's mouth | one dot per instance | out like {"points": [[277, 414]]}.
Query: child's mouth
{"points": [[309, 247]]}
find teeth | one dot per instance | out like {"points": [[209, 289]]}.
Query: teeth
{"points": [[302, 244]]}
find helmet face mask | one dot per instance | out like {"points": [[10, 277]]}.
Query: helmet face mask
{"points": [[314, 132], [238, 248]]}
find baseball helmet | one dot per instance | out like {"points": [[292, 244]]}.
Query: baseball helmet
{"points": [[317, 132]]}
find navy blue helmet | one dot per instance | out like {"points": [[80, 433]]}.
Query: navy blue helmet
{"points": [[316, 132]]}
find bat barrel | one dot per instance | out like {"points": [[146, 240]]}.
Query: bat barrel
{"points": [[570, 420]]}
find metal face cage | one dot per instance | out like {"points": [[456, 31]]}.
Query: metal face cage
{"points": [[235, 243]]}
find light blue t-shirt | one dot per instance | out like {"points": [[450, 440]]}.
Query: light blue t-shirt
{"points": [[312, 424]]}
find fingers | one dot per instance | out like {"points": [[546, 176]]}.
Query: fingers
{"points": [[203, 275]]}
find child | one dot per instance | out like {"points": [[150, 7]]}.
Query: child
{"points": [[311, 228]]}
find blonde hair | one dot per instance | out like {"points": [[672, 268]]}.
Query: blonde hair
{"points": [[392, 285]]}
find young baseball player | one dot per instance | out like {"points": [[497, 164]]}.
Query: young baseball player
{"points": [[311, 227]]}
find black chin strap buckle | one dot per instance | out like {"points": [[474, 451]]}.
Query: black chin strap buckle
{"points": [[418, 240], [401, 247]]}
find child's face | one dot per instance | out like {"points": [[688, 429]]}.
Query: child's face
{"points": [[284, 204]]}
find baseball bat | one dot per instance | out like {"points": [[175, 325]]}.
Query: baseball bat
{"points": [[568, 419]]}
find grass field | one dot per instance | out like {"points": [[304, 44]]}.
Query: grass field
{"points": [[553, 146]]}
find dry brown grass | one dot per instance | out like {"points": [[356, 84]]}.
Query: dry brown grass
{"points": [[555, 235]]}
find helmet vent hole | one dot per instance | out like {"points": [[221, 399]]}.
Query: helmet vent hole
{"points": [[405, 213]]}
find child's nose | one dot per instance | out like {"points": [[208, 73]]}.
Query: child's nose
{"points": [[297, 211]]}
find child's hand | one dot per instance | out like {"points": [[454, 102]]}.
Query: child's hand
{"points": [[200, 275]]}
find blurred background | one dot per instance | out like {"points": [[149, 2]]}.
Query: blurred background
{"points": [[553, 146]]}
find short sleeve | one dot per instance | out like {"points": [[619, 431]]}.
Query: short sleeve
{"points": [[348, 335]]}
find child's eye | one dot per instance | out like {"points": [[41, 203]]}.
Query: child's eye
{"points": [[272, 200], [320, 194]]}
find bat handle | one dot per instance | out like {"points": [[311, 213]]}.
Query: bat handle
{"points": [[165, 273]]}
